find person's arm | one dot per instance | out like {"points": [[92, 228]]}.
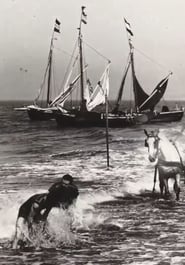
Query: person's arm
{"points": [[38, 209]]}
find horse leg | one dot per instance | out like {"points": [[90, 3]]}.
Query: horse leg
{"points": [[166, 187], [177, 186], [161, 184], [155, 177]]}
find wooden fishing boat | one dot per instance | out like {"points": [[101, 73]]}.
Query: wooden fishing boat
{"points": [[85, 114], [146, 103]]}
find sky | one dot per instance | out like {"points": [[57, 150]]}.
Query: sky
{"points": [[26, 27]]}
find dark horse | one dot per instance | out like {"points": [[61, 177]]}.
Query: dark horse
{"points": [[167, 159]]}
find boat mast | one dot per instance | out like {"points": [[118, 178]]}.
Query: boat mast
{"points": [[49, 71], [82, 20], [129, 37], [120, 93], [50, 59], [133, 73]]}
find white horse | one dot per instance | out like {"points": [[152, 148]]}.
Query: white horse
{"points": [[167, 159]]}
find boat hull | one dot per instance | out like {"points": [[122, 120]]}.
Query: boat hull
{"points": [[39, 114], [168, 116], [95, 119]]}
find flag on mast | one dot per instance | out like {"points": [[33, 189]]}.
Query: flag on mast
{"points": [[57, 26], [84, 15], [128, 27]]}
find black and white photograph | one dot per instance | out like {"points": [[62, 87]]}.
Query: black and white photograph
{"points": [[92, 134]]}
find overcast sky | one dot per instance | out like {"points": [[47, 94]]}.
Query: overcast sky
{"points": [[26, 28]]}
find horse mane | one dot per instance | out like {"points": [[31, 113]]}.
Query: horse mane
{"points": [[171, 151], [163, 137]]}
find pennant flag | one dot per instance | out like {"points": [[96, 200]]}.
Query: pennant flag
{"points": [[128, 27], [57, 26], [84, 15]]}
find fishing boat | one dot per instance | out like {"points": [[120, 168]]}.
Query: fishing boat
{"points": [[145, 103], [42, 108], [86, 113]]}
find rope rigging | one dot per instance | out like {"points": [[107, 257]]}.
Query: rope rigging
{"points": [[96, 51], [69, 66], [151, 59]]}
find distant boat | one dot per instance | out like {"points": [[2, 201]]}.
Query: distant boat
{"points": [[85, 114], [145, 103], [42, 107]]}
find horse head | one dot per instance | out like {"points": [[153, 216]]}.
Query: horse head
{"points": [[152, 142]]}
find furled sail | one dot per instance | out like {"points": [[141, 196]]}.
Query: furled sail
{"points": [[155, 97], [100, 91], [88, 90]]}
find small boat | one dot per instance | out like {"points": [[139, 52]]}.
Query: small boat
{"points": [[42, 108], [144, 103], [167, 115], [85, 114]]}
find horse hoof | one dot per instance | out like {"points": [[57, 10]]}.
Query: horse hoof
{"points": [[166, 196]]}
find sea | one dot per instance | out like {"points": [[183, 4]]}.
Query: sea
{"points": [[116, 218]]}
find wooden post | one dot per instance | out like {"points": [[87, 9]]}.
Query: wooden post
{"points": [[107, 129]]}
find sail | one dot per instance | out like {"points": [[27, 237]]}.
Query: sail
{"points": [[42, 85], [64, 95], [120, 93], [140, 94], [155, 96], [100, 91], [68, 90], [66, 85], [143, 101], [88, 90]]}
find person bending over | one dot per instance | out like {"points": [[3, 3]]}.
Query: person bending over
{"points": [[61, 194]]}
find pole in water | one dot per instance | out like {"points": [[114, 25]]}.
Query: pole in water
{"points": [[107, 129]]}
